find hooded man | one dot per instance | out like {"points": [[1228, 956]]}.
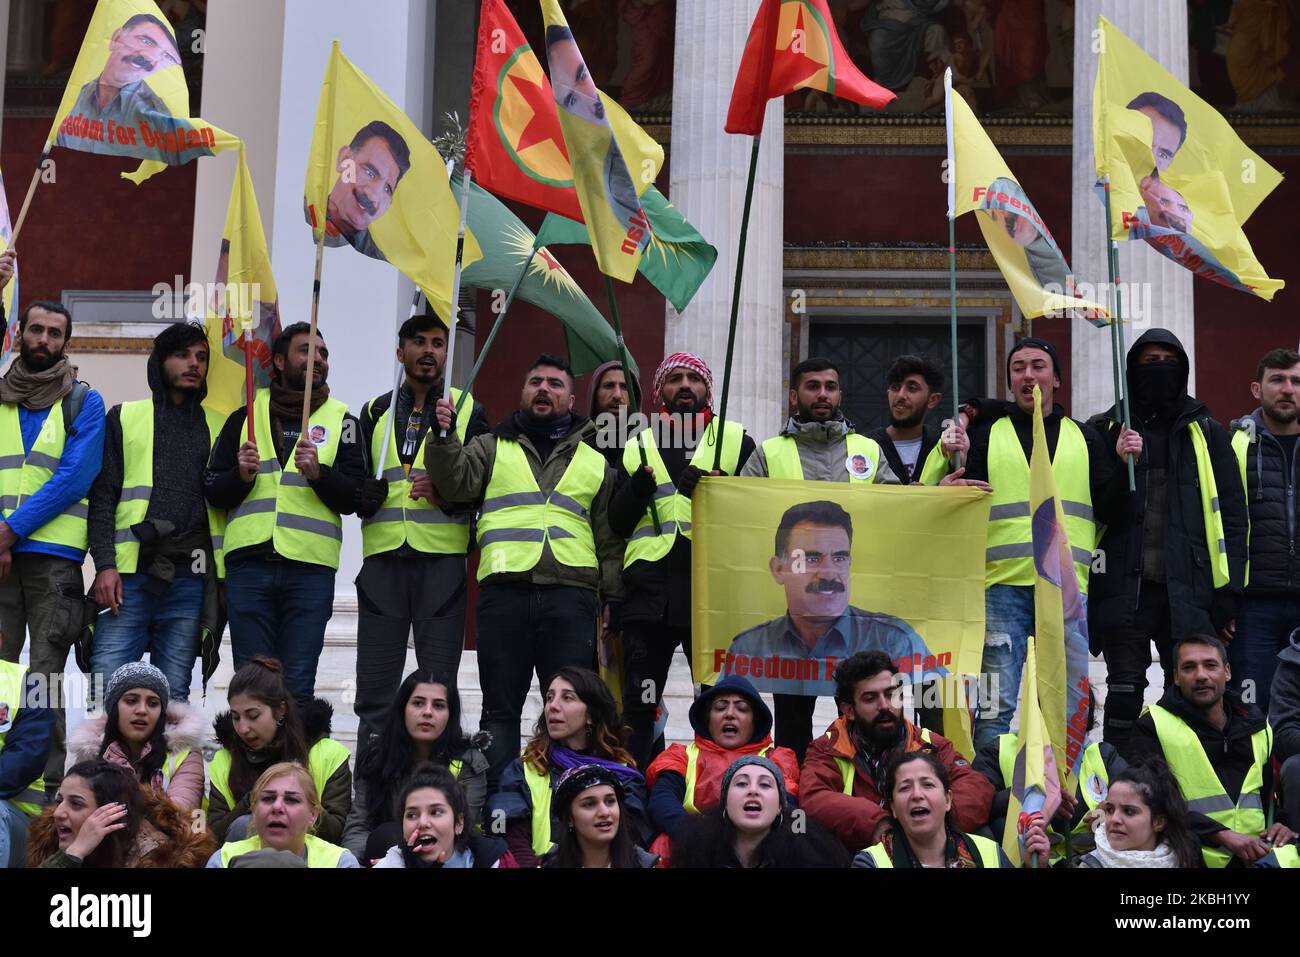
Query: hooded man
{"points": [[1175, 550], [51, 446], [609, 399], [655, 615], [730, 722], [286, 494], [151, 532]]}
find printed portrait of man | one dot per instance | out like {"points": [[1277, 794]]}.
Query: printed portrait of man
{"points": [[812, 564], [1165, 205], [369, 168], [1045, 260], [1168, 126]]}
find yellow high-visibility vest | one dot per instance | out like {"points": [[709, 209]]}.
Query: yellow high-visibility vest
{"points": [[693, 772], [325, 757], [782, 455], [402, 519], [1201, 786], [23, 473], [1009, 551], [319, 853], [517, 520], [986, 849], [1241, 441], [539, 790], [1210, 514], [281, 507], [137, 485], [13, 678], [674, 509], [849, 771]]}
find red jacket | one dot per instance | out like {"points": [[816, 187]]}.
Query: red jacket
{"points": [[714, 761], [854, 818]]}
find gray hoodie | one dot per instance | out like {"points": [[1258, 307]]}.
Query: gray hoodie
{"points": [[823, 450]]}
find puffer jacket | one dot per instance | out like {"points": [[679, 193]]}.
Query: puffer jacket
{"points": [[1284, 702], [1274, 506], [166, 839], [183, 732], [336, 797], [461, 474], [823, 450]]}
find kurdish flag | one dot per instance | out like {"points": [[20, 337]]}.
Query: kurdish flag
{"points": [[792, 46], [608, 181], [243, 314], [1180, 177], [980, 181], [1060, 621], [127, 94], [507, 245], [375, 183], [515, 145], [1034, 791], [679, 258]]}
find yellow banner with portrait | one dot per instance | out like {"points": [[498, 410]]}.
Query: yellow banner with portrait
{"points": [[790, 578]]}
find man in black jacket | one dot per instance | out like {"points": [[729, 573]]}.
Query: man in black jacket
{"points": [[1284, 716], [1200, 727], [1265, 444], [1164, 571], [914, 387]]}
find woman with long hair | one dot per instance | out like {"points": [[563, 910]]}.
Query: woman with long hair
{"points": [[435, 832], [285, 812], [593, 833], [102, 817], [265, 726], [158, 740], [1143, 822], [579, 724], [422, 727], [752, 826]]}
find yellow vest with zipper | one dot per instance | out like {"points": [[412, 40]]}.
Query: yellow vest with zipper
{"points": [[782, 455], [674, 509], [137, 485], [517, 520], [281, 507], [1201, 786], [319, 853], [402, 519], [23, 473], [31, 799], [1009, 553], [1080, 840], [985, 848]]}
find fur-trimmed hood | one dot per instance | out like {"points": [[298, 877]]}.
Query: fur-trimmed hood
{"points": [[317, 720], [184, 731], [167, 838]]}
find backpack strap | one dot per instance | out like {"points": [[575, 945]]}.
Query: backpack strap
{"points": [[72, 404]]}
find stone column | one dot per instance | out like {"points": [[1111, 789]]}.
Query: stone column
{"points": [[1162, 294], [709, 168], [24, 20]]}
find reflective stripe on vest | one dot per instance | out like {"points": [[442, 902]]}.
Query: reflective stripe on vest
{"points": [[281, 507], [1241, 442], [402, 519], [693, 771], [23, 474], [849, 771], [1009, 555], [137, 422], [1081, 838], [1210, 514], [325, 757], [782, 455], [539, 789], [643, 545], [319, 853], [1201, 786], [517, 520], [31, 799], [986, 849]]}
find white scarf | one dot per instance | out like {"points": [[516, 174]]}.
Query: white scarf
{"points": [[1162, 856]]}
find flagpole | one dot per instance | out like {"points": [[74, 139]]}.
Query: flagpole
{"points": [[466, 177], [31, 191], [248, 381], [633, 390], [392, 403], [735, 301], [952, 250], [496, 327], [1117, 330], [311, 340]]}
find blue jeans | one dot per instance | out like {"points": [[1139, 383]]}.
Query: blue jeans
{"points": [[166, 625], [279, 608], [13, 835], [1264, 628]]}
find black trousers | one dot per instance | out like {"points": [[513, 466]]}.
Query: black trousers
{"points": [[648, 649], [792, 721], [1127, 652]]}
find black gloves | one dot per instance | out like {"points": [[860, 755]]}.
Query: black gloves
{"points": [[643, 484], [687, 481], [371, 496], [1223, 609]]}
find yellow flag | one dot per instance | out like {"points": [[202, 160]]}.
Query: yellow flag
{"points": [[10, 295], [1025, 250], [375, 183], [243, 309], [1029, 784], [127, 94], [612, 166], [1180, 177]]}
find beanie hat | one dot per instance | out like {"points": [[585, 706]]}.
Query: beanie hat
{"points": [[690, 361], [576, 780], [136, 674], [1033, 342], [761, 762]]}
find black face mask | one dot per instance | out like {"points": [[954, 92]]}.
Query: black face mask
{"points": [[1157, 387]]}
